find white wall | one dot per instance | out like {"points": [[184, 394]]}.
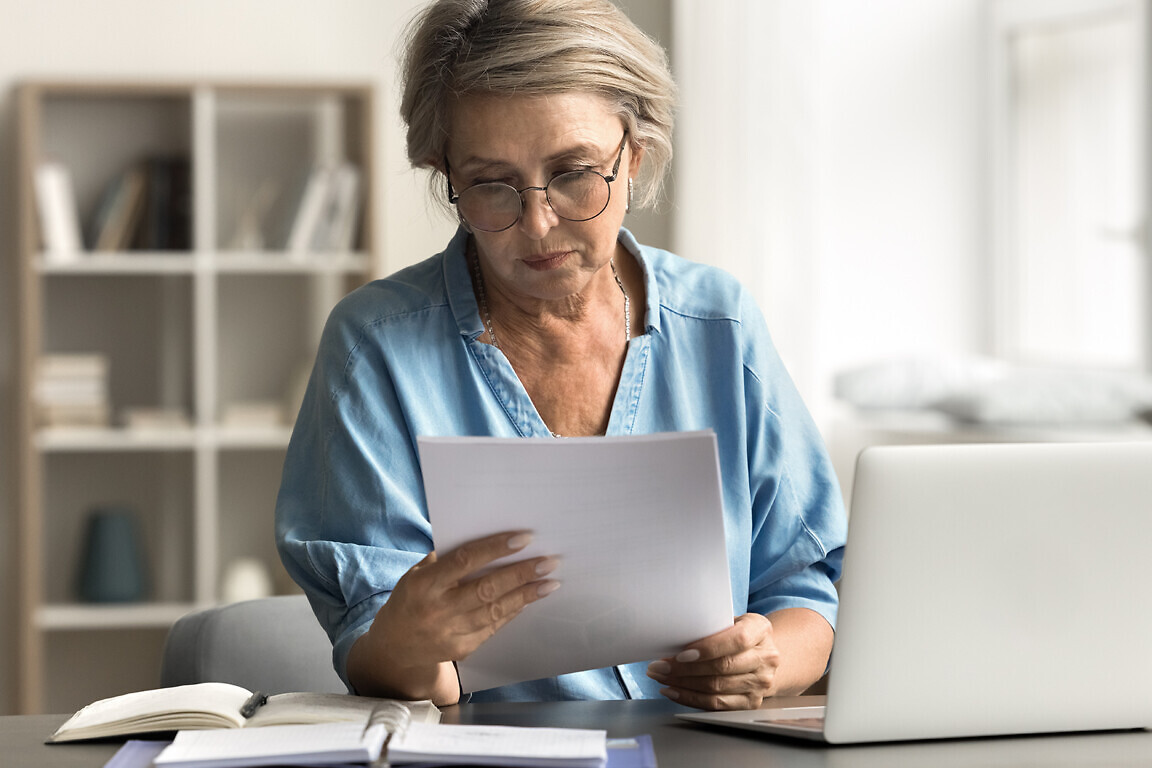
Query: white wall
{"points": [[219, 39], [901, 179], [830, 155]]}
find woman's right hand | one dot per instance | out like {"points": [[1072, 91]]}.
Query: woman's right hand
{"points": [[439, 612]]}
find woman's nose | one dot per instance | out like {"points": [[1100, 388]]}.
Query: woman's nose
{"points": [[538, 218]]}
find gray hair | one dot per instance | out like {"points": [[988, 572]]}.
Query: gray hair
{"points": [[536, 47]]}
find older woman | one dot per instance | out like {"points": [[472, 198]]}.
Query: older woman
{"points": [[543, 122]]}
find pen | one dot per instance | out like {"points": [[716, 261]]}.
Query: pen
{"points": [[255, 701]]}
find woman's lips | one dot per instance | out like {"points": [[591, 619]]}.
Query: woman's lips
{"points": [[546, 261]]}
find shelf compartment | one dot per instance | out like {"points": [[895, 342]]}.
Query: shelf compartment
{"points": [[249, 481], [157, 487], [274, 324], [98, 137], [145, 331], [267, 146]]}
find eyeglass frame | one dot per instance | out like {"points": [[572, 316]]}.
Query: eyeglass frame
{"points": [[453, 196]]}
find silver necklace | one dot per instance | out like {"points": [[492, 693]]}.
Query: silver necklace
{"points": [[487, 314]]}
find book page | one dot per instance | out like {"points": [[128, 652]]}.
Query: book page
{"points": [[636, 521], [322, 743], [298, 708], [201, 705]]}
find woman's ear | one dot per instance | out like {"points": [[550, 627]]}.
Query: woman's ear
{"points": [[636, 155]]}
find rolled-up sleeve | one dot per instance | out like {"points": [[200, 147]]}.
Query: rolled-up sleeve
{"points": [[349, 515], [799, 523]]}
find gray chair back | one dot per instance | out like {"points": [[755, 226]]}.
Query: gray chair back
{"points": [[272, 645]]}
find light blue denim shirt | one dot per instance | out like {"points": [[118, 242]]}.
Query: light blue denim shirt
{"points": [[399, 358]]}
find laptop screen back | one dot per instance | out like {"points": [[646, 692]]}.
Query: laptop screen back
{"points": [[995, 589]]}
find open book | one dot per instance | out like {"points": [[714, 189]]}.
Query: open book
{"points": [[221, 705]]}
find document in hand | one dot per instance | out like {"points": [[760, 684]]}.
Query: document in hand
{"points": [[637, 522]]}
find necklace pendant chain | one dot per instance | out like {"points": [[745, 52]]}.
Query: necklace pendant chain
{"points": [[486, 315], [627, 302]]}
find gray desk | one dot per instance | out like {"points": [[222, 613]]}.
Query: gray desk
{"points": [[679, 744]]}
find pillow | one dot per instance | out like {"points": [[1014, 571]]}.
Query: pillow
{"points": [[911, 384], [1052, 396]]}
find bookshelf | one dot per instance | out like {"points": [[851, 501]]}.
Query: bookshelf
{"points": [[160, 361]]}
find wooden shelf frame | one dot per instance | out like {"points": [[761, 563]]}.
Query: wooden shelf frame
{"points": [[207, 278]]}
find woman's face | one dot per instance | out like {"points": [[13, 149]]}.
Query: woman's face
{"points": [[524, 141]]}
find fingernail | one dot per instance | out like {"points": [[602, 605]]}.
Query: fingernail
{"points": [[519, 541], [670, 693], [689, 655], [547, 588], [660, 667], [546, 566]]}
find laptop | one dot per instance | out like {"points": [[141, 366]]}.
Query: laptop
{"points": [[987, 590]]}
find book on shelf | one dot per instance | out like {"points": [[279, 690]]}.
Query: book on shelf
{"points": [[147, 206], [328, 212], [336, 230], [81, 415], [202, 706], [71, 390], [166, 220], [309, 211], [118, 211], [59, 216], [251, 231], [59, 364], [155, 419]]}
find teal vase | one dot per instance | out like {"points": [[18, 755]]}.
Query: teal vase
{"points": [[112, 569]]}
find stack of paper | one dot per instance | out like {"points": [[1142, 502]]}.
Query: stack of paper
{"points": [[71, 390], [589, 501]]}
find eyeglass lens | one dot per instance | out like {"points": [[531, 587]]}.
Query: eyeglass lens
{"points": [[575, 196]]}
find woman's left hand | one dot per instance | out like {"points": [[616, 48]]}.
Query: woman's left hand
{"points": [[732, 669]]}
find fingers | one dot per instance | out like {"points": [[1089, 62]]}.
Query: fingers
{"points": [[732, 669], [473, 556], [714, 702], [746, 690], [490, 598], [708, 655], [442, 610]]}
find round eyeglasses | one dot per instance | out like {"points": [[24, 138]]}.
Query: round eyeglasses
{"points": [[493, 206]]}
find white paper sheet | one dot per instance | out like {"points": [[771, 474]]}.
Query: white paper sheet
{"points": [[316, 744], [637, 521], [500, 745]]}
